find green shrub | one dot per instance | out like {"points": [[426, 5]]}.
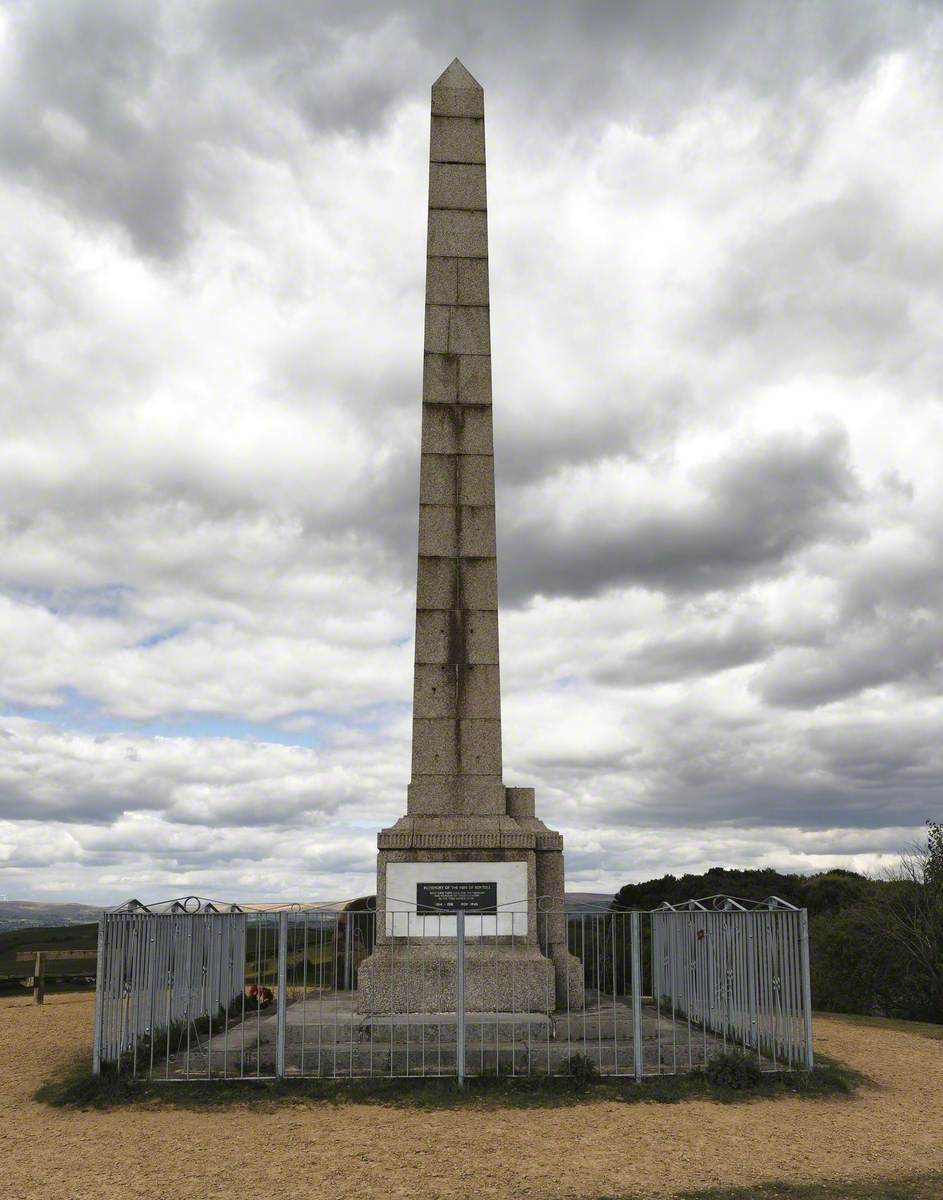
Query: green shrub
{"points": [[732, 1070], [858, 968], [581, 1069]]}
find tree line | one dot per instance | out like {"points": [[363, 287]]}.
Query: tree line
{"points": [[876, 944]]}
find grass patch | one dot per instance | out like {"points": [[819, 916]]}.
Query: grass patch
{"points": [[921, 1028], [54, 987], [76, 1087], [52, 937], [922, 1187]]}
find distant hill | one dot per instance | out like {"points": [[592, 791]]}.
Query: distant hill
{"points": [[587, 901], [31, 914]]}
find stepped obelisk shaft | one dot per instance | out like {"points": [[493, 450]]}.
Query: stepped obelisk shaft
{"points": [[456, 761], [466, 840]]}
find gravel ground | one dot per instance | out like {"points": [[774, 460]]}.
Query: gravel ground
{"points": [[362, 1152]]}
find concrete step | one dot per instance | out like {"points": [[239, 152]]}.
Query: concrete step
{"points": [[429, 1027]]}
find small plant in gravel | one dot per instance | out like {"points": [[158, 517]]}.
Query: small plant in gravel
{"points": [[733, 1070], [580, 1070]]}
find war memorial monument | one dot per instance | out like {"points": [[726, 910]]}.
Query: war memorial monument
{"points": [[467, 841], [466, 965]]}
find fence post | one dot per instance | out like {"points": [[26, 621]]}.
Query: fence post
{"points": [[752, 997], [635, 926], [99, 988], [460, 995], [806, 985], [281, 1013]]}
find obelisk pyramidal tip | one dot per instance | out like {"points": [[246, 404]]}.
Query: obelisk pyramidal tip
{"points": [[457, 75], [456, 766]]}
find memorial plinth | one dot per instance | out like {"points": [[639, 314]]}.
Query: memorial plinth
{"points": [[463, 829]]}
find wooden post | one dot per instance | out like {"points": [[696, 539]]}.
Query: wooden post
{"points": [[39, 978]]}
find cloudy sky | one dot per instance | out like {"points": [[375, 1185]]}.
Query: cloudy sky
{"points": [[716, 265]]}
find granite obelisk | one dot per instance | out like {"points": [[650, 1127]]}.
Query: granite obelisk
{"points": [[466, 839]]}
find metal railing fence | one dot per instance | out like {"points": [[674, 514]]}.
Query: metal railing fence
{"points": [[158, 973], [317, 993], [739, 974]]}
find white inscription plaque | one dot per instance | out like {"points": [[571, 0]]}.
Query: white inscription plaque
{"points": [[411, 886]]}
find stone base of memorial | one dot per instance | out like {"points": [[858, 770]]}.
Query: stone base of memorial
{"points": [[421, 979], [506, 873]]}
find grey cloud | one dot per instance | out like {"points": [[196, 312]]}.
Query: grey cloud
{"points": [[349, 62], [85, 114], [135, 89], [746, 781], [690, 652], [906, 649], [901, 758], [628, 417], [885, 583], [760, 507], [830, 288], [54, 775]]}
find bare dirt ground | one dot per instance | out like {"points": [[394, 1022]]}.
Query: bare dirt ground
{"points": [[343, 1152]]}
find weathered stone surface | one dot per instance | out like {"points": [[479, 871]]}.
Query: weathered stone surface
{"points": [[440, 1030], [434, 690], [468, 332], [435, 746], [550, 893], [476, 535], [439, 579], [457, 76], [479, 582], [437, 482], [472, 691], [471, 281], [474, 377], [437, 582], [480, 747], [475, 482], [457, 233], [442, 280], [451, 800], [481, 637], [432, 635], [457, 140], [474, 429], [457, 185], [437, 530], [479, 693], [448, 429], [457, 102], [437, 328], [440, 379], [440, 431], [497, 979], [520, 802]]}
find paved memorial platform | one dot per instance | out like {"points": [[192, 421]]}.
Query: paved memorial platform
{"points": [[325, 1035]]}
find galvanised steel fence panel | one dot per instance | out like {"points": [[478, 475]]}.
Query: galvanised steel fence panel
{"points": [[164, 976], [731, 977], [258, 995]]}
